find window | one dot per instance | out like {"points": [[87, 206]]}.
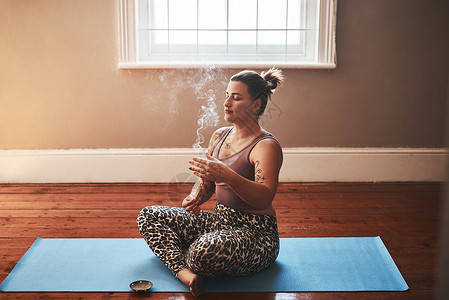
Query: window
{"points": [[232, 33]]}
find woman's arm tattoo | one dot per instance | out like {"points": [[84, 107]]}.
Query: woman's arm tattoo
{"points": [[203, 191], [258, 177]]}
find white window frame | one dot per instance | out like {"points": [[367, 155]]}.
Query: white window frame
{"points": [[325, 56]]}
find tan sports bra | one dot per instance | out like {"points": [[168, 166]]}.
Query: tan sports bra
{"points": [[239, 162]]}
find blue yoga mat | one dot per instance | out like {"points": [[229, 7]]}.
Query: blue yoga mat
{"points": [[110, 265]]}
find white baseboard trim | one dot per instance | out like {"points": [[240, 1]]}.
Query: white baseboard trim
{"points": [[171, 165]]}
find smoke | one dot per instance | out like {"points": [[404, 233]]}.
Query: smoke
{"points": [[203, 84], [170, 83], [208, 116]]}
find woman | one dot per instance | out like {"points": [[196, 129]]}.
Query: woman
{"points": [[242, 166]]}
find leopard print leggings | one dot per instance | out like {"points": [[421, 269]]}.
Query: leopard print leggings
{"points": [[226, 241]]}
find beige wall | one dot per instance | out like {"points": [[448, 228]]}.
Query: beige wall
{"points": [[60, 86]]}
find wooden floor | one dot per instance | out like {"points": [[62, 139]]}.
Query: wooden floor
{"points": [[405, 215]]}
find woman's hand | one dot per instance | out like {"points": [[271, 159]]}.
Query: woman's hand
{"points": [[191, 205], [209, 168]]}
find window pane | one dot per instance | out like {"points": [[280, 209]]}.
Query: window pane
{"points": [[296, 14], [160, 14], [295, 38], [182, 14], [242, 38], [214, 46], [242, 14], [160, 37], [271, 37], [212, 37], [183, 37], [272, 14], [212, 14]]}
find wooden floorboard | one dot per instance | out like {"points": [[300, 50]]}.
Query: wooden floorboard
{"points": [[404, 215]]}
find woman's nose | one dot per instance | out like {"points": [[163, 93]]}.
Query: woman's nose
{"points": [[227, 102]]}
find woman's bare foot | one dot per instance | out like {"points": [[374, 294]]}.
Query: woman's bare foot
{"points": [[192, 280]]}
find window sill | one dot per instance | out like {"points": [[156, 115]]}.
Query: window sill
{"points": [[221, 64]]}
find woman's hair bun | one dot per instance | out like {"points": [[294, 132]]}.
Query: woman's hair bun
{"points": [[260, 86], [274, 77]]}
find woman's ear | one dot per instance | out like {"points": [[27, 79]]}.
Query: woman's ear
{"points": [[256, 105]]}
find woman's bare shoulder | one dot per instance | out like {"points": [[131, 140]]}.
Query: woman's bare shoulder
{"points": [[268, 147], [221, 130], [269, 141], [216, 136]]}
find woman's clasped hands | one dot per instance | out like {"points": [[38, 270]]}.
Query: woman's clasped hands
{"points": [[209, 168], [191, 205]]}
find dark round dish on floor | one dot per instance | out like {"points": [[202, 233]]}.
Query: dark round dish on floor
{"points": [[141, 286]]}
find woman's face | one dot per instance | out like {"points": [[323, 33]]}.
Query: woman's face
{"points": [[238, 106]]}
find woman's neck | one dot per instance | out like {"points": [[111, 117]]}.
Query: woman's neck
{"points": [[247, 130]]}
